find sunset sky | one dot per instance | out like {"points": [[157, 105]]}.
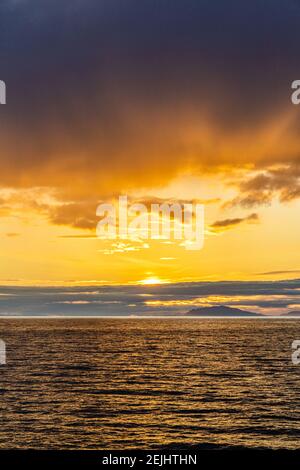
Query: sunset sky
{"points": [[155, 99]]}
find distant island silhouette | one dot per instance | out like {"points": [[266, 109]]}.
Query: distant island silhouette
{"points": [[296, 313], [222, 311]]}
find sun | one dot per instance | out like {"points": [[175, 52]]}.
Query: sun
{"points": [[151, 281]]}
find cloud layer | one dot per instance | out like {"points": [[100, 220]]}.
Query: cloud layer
{"points": [[265, 297]]}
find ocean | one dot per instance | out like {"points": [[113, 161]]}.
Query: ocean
{"points": [[149, 384]]}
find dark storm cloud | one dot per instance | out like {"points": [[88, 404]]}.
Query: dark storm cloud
{"points": [[111, 87]]}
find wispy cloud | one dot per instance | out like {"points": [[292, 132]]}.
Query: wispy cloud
{"points": [[225, 224], [272, 273]]}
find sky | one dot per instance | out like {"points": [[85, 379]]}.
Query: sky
{"points": [[165, 100]]}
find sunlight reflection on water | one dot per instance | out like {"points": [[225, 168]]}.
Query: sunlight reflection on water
{"points": [[119, 384]]}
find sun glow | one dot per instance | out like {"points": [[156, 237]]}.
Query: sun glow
{"points": [[150, 281]]}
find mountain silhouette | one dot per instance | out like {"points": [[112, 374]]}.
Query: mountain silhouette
{"points": [[221, 311], [296, 313]]}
